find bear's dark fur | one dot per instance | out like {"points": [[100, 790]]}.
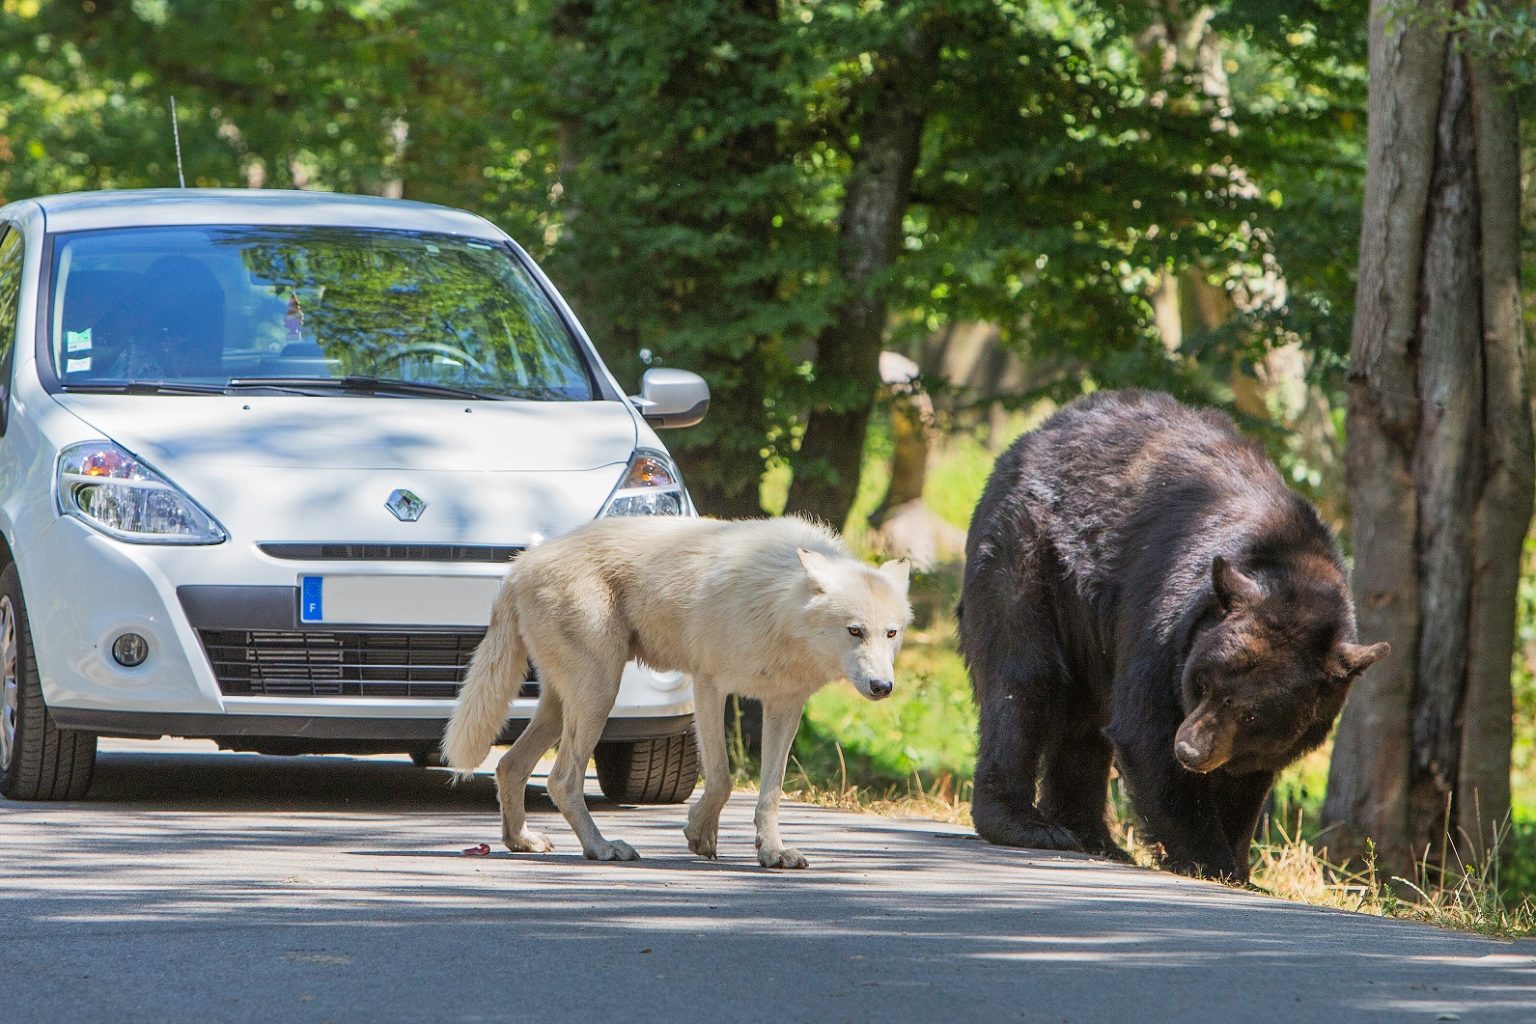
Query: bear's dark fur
{"points": [[1140, 583]]}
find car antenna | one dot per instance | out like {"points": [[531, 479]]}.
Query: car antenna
{"points": [[176, 134]]}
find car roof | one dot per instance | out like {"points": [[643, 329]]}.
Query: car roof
{"points": [[83, 211]]}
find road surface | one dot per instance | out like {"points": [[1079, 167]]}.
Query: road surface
{"points": [[217, 887]]}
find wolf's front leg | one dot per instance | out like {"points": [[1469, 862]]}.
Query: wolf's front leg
{"points": [[780, 722], [703, 828]]}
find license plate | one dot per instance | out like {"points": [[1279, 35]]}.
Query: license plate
{"points": [[397, 600]]}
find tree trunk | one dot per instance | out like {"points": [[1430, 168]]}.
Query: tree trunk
{"points": [[1501, 516], [826, 468], [1439, 455]]}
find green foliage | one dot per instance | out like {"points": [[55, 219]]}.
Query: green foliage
{"points": [[681, 168], [682, 229], [1523, 756], [1499, 33]]}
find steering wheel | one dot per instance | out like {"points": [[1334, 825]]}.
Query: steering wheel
{"points": [[432, 348]]}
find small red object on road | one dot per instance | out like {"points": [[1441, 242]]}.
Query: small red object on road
{"points": [[478, 850]]}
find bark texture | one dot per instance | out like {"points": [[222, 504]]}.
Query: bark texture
{"points": [[890, 129], [1439, 455]]}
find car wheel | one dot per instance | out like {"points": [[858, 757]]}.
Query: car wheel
{"points": [[660, 771], [38, 760]]}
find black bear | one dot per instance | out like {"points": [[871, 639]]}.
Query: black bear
{"points": [[1141, 584]]}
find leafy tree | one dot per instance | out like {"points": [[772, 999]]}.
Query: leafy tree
{"points": [[768, 191], [681, 225]]}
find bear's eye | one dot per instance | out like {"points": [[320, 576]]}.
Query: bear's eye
{"points": [[890, 634], [1250, 718], [856, 631]]}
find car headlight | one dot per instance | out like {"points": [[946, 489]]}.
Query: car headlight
{"points": [[651, 486], [108, 488]]}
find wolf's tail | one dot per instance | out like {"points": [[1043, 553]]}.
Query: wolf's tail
{"points": [[497, 669]]}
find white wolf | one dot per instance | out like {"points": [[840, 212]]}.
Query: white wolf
{"points": [[769, 608]]}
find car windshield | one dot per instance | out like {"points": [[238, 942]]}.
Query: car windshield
{"points": [[305, 309]]}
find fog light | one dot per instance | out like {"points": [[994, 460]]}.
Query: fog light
{"points": [[130, 650]]}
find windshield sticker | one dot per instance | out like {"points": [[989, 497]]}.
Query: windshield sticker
{"points": [[77, 365], [78, 341]]}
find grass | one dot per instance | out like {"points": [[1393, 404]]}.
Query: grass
{"points": [[914, 754], [1473, 897]]}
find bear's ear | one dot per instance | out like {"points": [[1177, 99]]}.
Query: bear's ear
{"points": [[818, 569], [1233, 590], [1348, 660], [899, 572]]}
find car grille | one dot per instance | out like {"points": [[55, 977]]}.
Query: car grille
{"points": [[274, 663], [494, 553]]}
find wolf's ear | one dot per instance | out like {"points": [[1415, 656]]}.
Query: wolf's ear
{"points": [[1234, 591], [818, 568], [898, 571], [1348, 660]]}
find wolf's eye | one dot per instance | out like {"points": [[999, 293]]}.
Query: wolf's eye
{"points": [[857, 631], [890, 634]]}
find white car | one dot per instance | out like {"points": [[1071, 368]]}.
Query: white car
{"points": [[264, 457]]}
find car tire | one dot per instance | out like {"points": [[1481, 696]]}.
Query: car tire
{"points": [[38, 760], [661, 771]]}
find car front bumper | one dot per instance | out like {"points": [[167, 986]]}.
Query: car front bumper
{"points": [[230, 656]]}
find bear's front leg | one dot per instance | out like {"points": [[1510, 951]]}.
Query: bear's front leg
{"points": [[1015, 715], [1179, 810], [1239, 802]]}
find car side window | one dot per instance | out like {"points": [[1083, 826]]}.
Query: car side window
{"points": [[10, 312], [10, 295]]}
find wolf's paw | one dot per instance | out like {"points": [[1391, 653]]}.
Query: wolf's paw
{"points": [[782, 857], [615, 850], [702, 841], [530, 842]]}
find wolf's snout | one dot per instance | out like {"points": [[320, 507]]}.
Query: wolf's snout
{"points": [[881, 688]]}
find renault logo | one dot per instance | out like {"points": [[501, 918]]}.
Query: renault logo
{"points": [[405, 505]]}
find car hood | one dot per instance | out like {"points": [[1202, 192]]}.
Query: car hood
{"points": [[322, 469], [346, 432]]}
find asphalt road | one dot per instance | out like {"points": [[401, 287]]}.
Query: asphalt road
{"points": [[230, 888]]}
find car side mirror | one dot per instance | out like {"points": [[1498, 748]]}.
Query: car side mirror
{"points": [[671, 398]]}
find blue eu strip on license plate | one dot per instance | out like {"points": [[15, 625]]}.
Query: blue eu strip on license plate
{"points": [[311, 608]]}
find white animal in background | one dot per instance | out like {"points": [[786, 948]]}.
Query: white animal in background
{"points": [[772, 609]]}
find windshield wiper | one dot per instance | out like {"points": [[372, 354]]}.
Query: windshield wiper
{"points": [[146, 387], [359, 385]]}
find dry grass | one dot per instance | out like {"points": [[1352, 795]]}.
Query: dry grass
{"points": [[1467, 896], [945, 799], [942, 800], [1470, 897]]}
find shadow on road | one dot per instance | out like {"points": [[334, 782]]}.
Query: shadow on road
{"points": [[226, 781], [245, 888]]}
